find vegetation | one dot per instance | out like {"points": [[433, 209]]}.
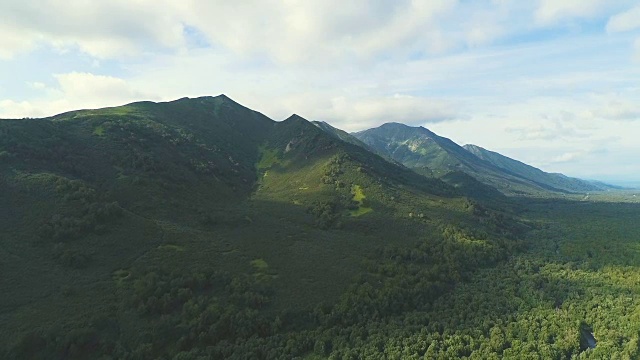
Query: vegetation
{"points": [[201, 229]]}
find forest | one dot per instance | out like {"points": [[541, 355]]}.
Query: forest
{"points": [[457, 296]]}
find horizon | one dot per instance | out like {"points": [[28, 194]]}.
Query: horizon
{"points": [[551, 84]]}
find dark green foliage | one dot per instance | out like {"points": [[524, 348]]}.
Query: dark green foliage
{"points": [[75, 259], [82, 212]]}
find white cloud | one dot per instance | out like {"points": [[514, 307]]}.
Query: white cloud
{"points": [[316, 31], [547, 131], [14, 41], [99, 28], [10, 109], [36, 85], [553, 11], [625, 21], [567, 157], [323, 31], [74, 91], [291, 31], [371, 112], [483, 34], [87, 88], [618, 110]]}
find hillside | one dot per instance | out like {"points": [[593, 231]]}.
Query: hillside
{"points": [[556, 181], [433, 155], [202, 227], [340, 134]]}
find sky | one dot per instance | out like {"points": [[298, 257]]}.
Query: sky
{"points": [[555, 84]]}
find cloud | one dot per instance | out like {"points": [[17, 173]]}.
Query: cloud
{"points": [[370, 112], [313, 31], [554, 11], [323, 31], [560, 126], [100, 28], [483, 34], [534, 132], [567, 157], [87, 88], [618, 110], [36, 85], [10, 109], [625, 21], [14, 41], [288, 32], [73, 91]]}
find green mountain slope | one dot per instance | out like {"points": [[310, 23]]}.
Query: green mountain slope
{"points": [[346, 137], [340, 134], [556, 181], [201, 227], [433, 155]]}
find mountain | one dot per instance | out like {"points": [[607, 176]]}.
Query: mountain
{"points": [[555, 181], [433, 155], [201, 227], [340, 134], [416, 147], [346, 137]]}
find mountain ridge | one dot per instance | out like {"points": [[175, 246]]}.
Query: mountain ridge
{"points": [[428, 153], [556, 180], [431, 159]]}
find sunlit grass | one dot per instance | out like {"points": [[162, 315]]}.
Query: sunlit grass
{"points": [[99, 131], [171, 247], [358, 196]]}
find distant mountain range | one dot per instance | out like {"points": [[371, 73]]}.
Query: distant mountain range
{"points": [[429, 154]]}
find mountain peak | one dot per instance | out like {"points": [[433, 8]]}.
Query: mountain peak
{"points": [[399, 129], [206, 99], [223, 98], [400, 126], [472, 146], [295, 117]]}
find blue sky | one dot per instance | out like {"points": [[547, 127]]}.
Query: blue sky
{"points": [[552, 83]]}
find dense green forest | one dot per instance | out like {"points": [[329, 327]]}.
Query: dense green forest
{"points": [[200, 229]]}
